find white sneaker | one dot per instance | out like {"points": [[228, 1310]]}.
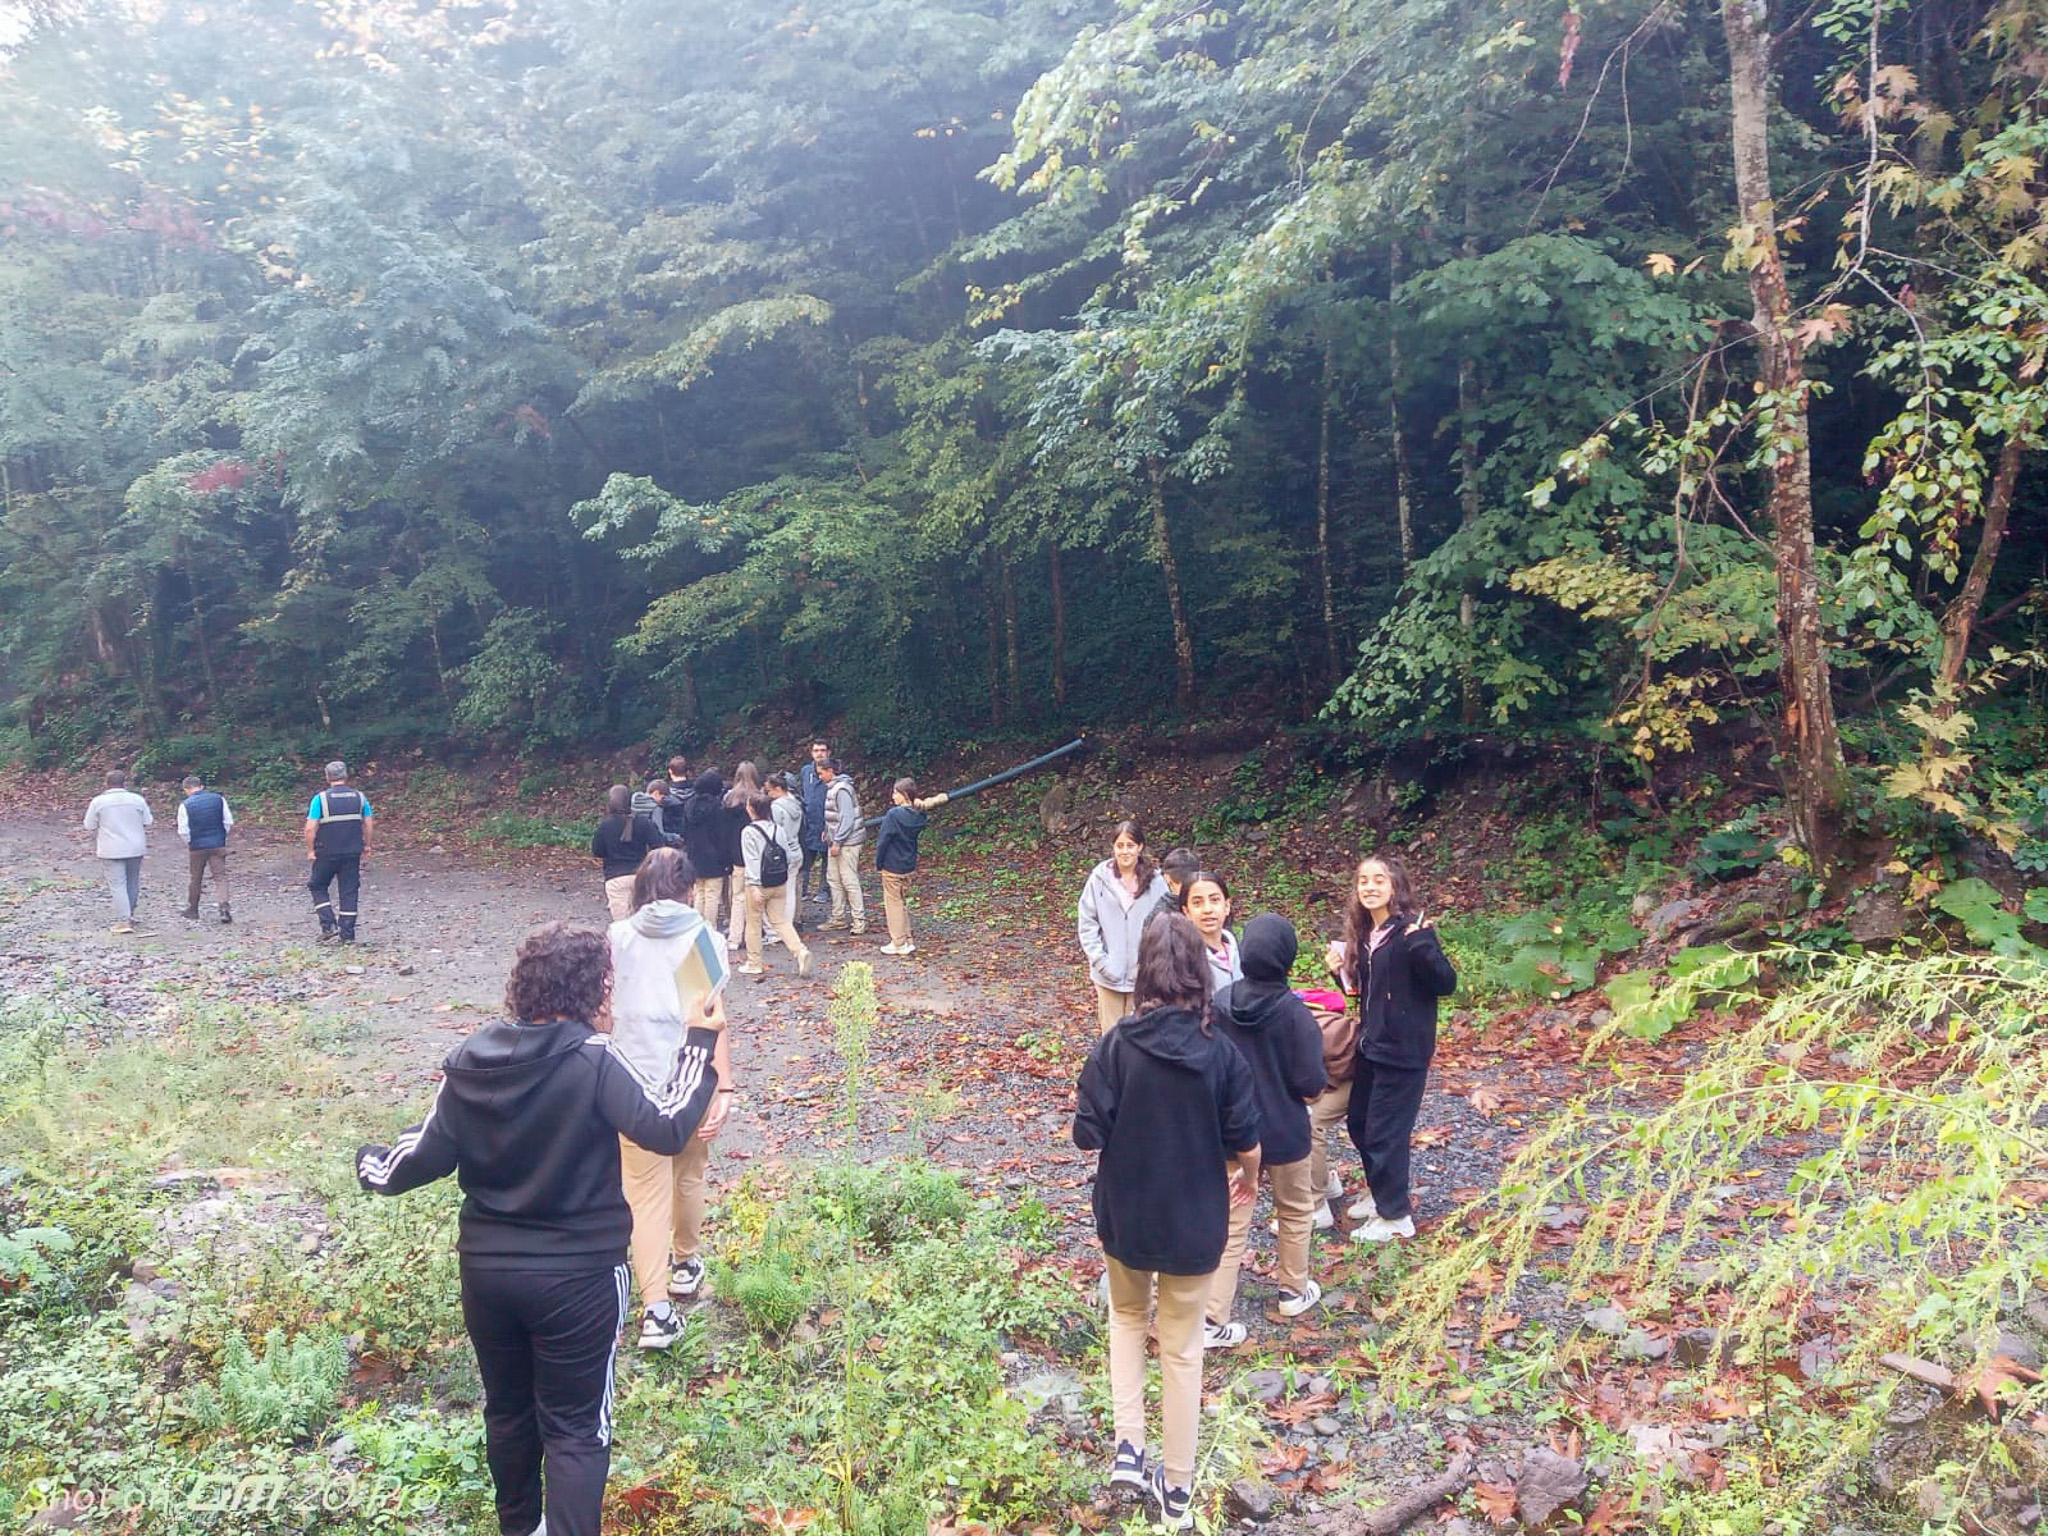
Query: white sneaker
{"points": [[1321, 1221], [892, 949], [1381, 1230], [660, 1327], [1334, 1189], [1224, 1335], [1362, 1209], [1294, 1303]]}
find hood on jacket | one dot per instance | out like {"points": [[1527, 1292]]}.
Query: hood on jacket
{"points": [[709, 786], [645, 804], [910, 816], [506, 1063], [1266, 953], [1171, 1035], [666, 919]]}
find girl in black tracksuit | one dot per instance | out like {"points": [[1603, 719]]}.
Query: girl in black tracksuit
{"points": [[528, 1118], [1391, 961]]}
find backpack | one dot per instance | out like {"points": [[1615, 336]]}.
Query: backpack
{"points": [[1339, 1028], [774, 858]]}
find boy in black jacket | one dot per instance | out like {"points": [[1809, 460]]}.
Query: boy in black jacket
{"points": [[896, 858], [527, 1118], [1277, 1036], [1170, 1106]]}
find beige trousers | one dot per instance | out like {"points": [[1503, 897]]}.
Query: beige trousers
{"points": [[707, 897], [618, 895], [842, 877], [1295, 1207], [896, 907], [1132, 1293], [1111, 1008], [667, 1198], [771, 908], [1325, 1113]]}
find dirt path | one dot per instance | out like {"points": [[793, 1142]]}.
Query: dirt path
{"points": [[981, 1037]]}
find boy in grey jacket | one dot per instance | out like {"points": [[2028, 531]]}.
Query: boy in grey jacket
{"points": [[843, 838], [117, 817]]}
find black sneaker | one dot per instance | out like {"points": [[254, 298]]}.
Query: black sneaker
{"points": [[685, 1278], [225, 915], [190, 914], [1128, 1470], [660, 1327], [1176, 1505]]}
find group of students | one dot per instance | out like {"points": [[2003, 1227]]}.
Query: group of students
{"points": [[757, 843], [581, 1124], [1211, 1071]]}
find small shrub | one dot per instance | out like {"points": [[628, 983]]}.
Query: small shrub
{"points": [[770, 1296], [892, 1204], [291, 1391], [1734, 849]]}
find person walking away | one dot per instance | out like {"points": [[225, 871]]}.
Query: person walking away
{"points": [[680, 789], [527, 1117], [811, 788], [764, 876], [337, 842], [1391, 961], [786, 810], [704, 842], [746, 783], [622, 839], [843, 838], [204, 821], [896, 858], [1205, 900], [118, 818], [1117, 900], [1279, 1041], [665, 958], [1169, 1104]]}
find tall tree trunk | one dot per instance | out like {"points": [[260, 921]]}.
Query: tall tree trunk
{"points": [[1059, 626], [1013, 672], [1468, 514], [1330, 647], [1812, 747], [1183, 637], [1961, 615], [989, 603], [1397, 384]]}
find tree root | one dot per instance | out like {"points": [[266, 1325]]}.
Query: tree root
{"points": [[1390, 1518]]}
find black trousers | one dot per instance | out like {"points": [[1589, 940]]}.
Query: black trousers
{"points": [[345, 870], [1384, 1104], [545, 1345]]}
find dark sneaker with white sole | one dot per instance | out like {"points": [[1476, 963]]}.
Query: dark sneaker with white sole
{"points": [[1128, 1471], [1176, 1505], [660, 1327], [685, 1278]]}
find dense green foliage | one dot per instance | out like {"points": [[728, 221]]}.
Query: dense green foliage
{"points": [[392, 372]]}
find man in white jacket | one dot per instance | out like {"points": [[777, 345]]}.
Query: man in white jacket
{"points": [[118, 817]]}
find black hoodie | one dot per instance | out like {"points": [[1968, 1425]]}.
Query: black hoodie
{"points": [[528, 1118], [704, 829], [1277, 1036], [1168, 1106]]}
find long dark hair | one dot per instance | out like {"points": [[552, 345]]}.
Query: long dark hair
{"points": [[618, 801], [1173, 967], [1358, 922], [1195, 879], [1146, 869]]}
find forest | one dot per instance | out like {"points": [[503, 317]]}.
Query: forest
{"points": [[1620, 374], [1583, 451]]}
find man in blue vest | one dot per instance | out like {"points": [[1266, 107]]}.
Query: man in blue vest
{"points": [[203, 823], [337, 841]]}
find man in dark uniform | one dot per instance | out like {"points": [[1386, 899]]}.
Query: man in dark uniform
{"points": [[337, 839]]}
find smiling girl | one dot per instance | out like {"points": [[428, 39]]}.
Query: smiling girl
{"points": [[1122, 893], [1205, 900], [1390, 960]]}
